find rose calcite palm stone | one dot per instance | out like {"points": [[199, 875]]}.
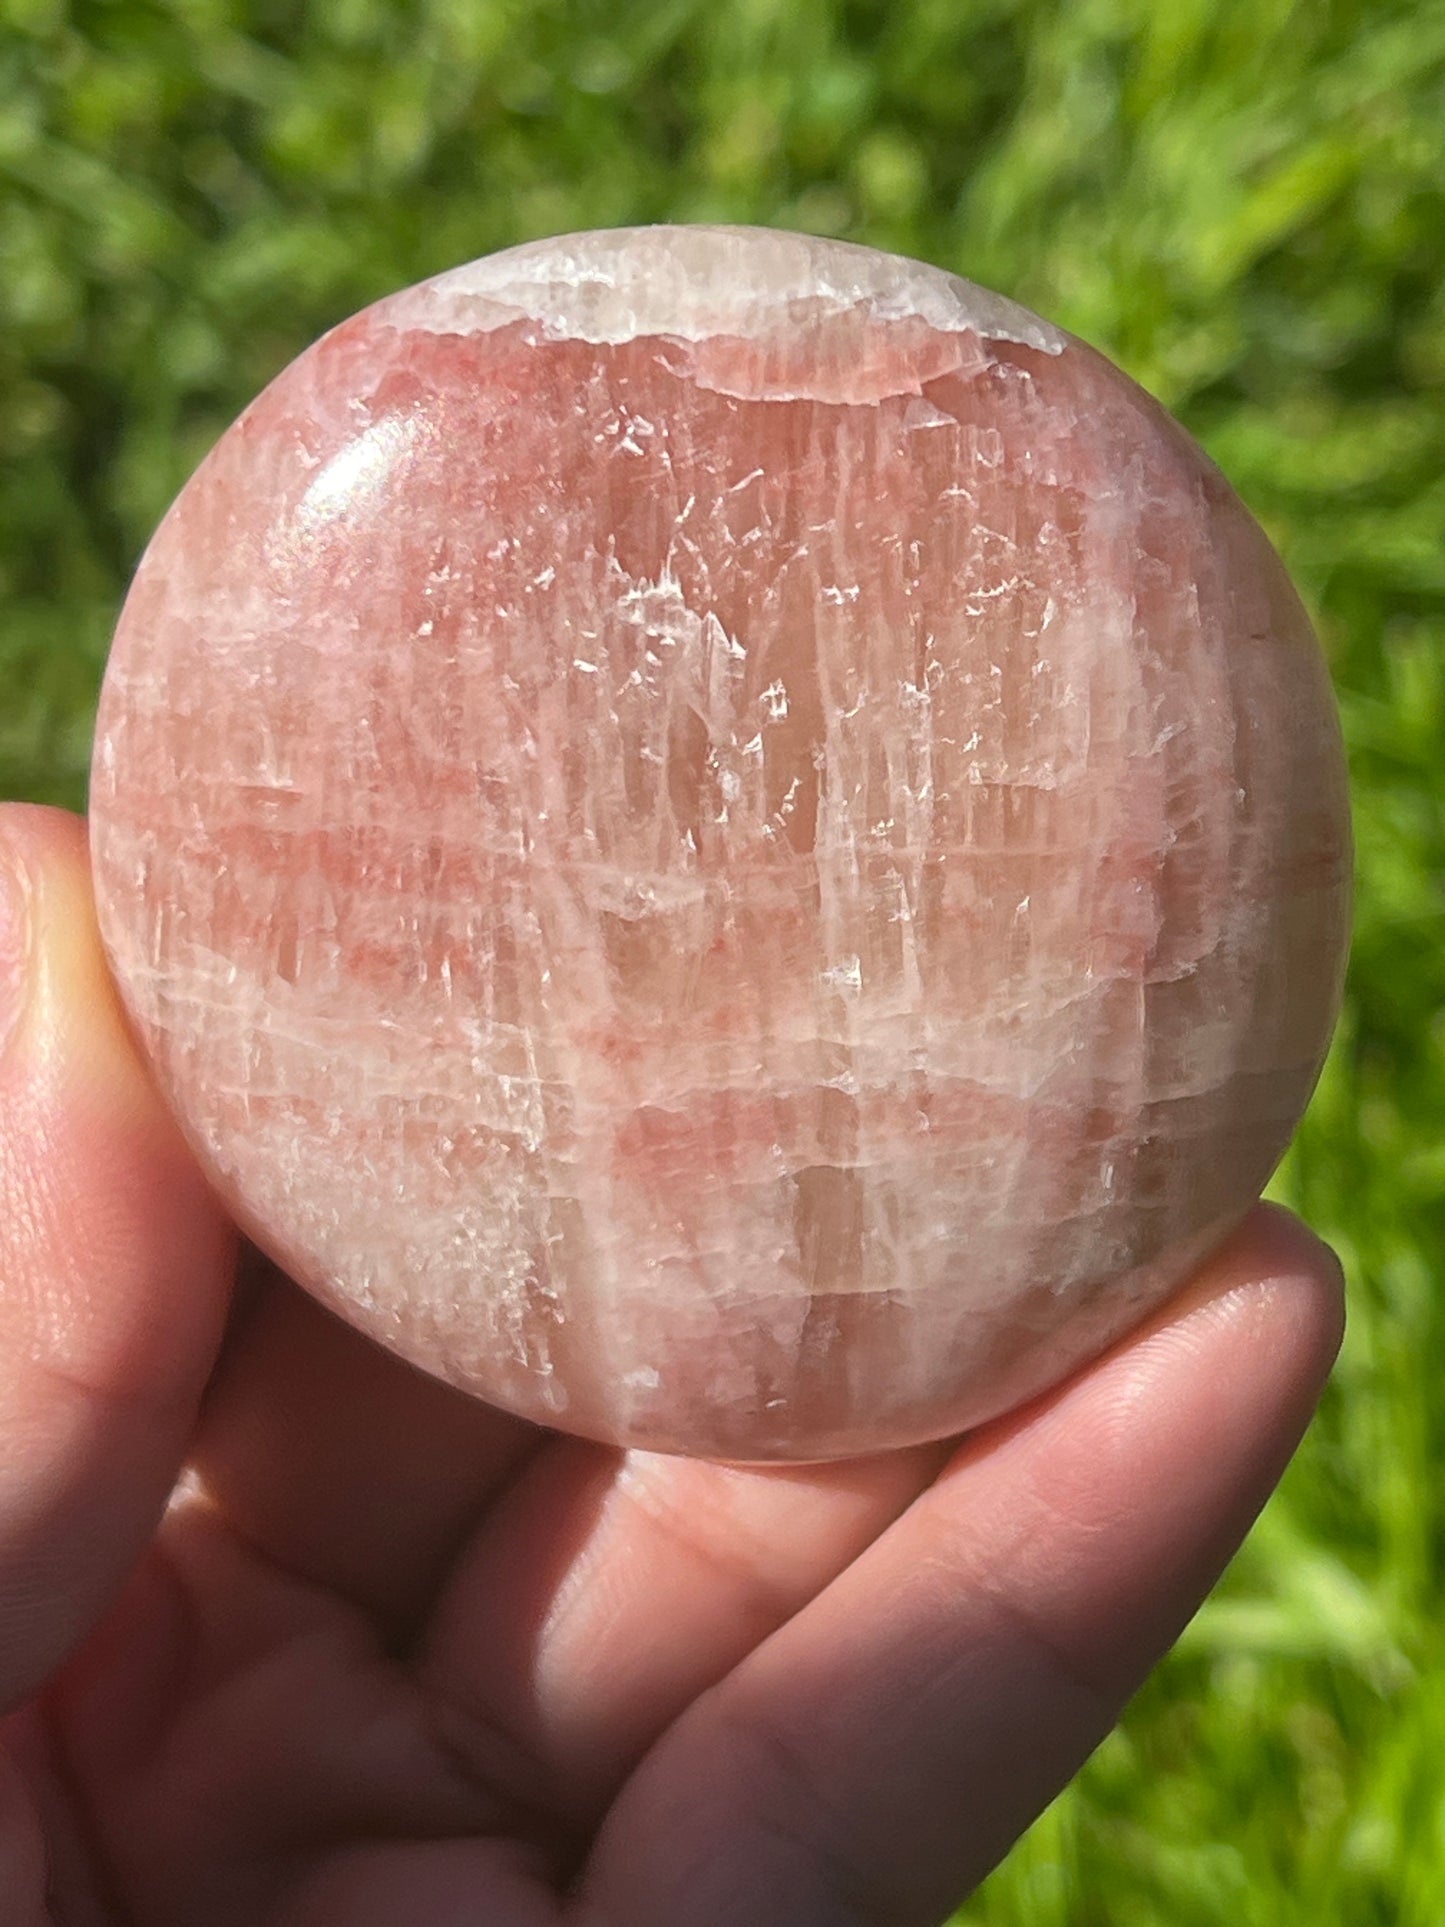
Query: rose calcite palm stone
{"points": [[726, 840]]}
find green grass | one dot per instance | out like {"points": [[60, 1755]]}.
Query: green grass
{"points": [[1243, 202]]}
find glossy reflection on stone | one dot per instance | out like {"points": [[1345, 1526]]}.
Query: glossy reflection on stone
{"points": [[726, 840]]}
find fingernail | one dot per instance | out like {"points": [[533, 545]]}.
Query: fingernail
{"points": [[16, 927]]}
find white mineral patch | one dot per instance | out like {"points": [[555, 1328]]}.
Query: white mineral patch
{"points": [[693, 283]]}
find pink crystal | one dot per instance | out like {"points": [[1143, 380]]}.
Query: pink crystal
{"points": [[724, 839]]}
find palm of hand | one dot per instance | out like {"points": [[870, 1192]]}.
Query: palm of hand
{"points": [[391, 1656]]}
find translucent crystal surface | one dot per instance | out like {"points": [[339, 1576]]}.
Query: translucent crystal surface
{"points": [[724, 839]]}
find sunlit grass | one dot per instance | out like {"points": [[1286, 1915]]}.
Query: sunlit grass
{"points": [[1241, 200]]}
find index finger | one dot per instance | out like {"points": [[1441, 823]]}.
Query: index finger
{"points": [[874, 1757]]}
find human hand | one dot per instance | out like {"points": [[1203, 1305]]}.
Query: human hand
{"points": [[295, 1636]]}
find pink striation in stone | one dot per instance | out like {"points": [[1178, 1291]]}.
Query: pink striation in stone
{"points": [[726, 840]]}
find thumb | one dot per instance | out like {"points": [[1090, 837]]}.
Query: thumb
{"points": [[115, 1264]]}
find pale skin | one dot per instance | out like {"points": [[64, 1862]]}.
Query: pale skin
{"points": [[294, 1636]]}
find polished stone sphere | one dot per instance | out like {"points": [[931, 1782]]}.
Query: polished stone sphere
{"points": [[726, 840]]}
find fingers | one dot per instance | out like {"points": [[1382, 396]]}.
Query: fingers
{"points": [[609, 1589], [114, 1263], [873, 1759], [344, 1465], [23, 1873]]}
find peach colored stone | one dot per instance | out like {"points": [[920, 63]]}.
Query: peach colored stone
{"points": [[724, 839]]}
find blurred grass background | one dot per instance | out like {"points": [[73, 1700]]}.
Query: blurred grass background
{"points": [[1243, 201]]}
